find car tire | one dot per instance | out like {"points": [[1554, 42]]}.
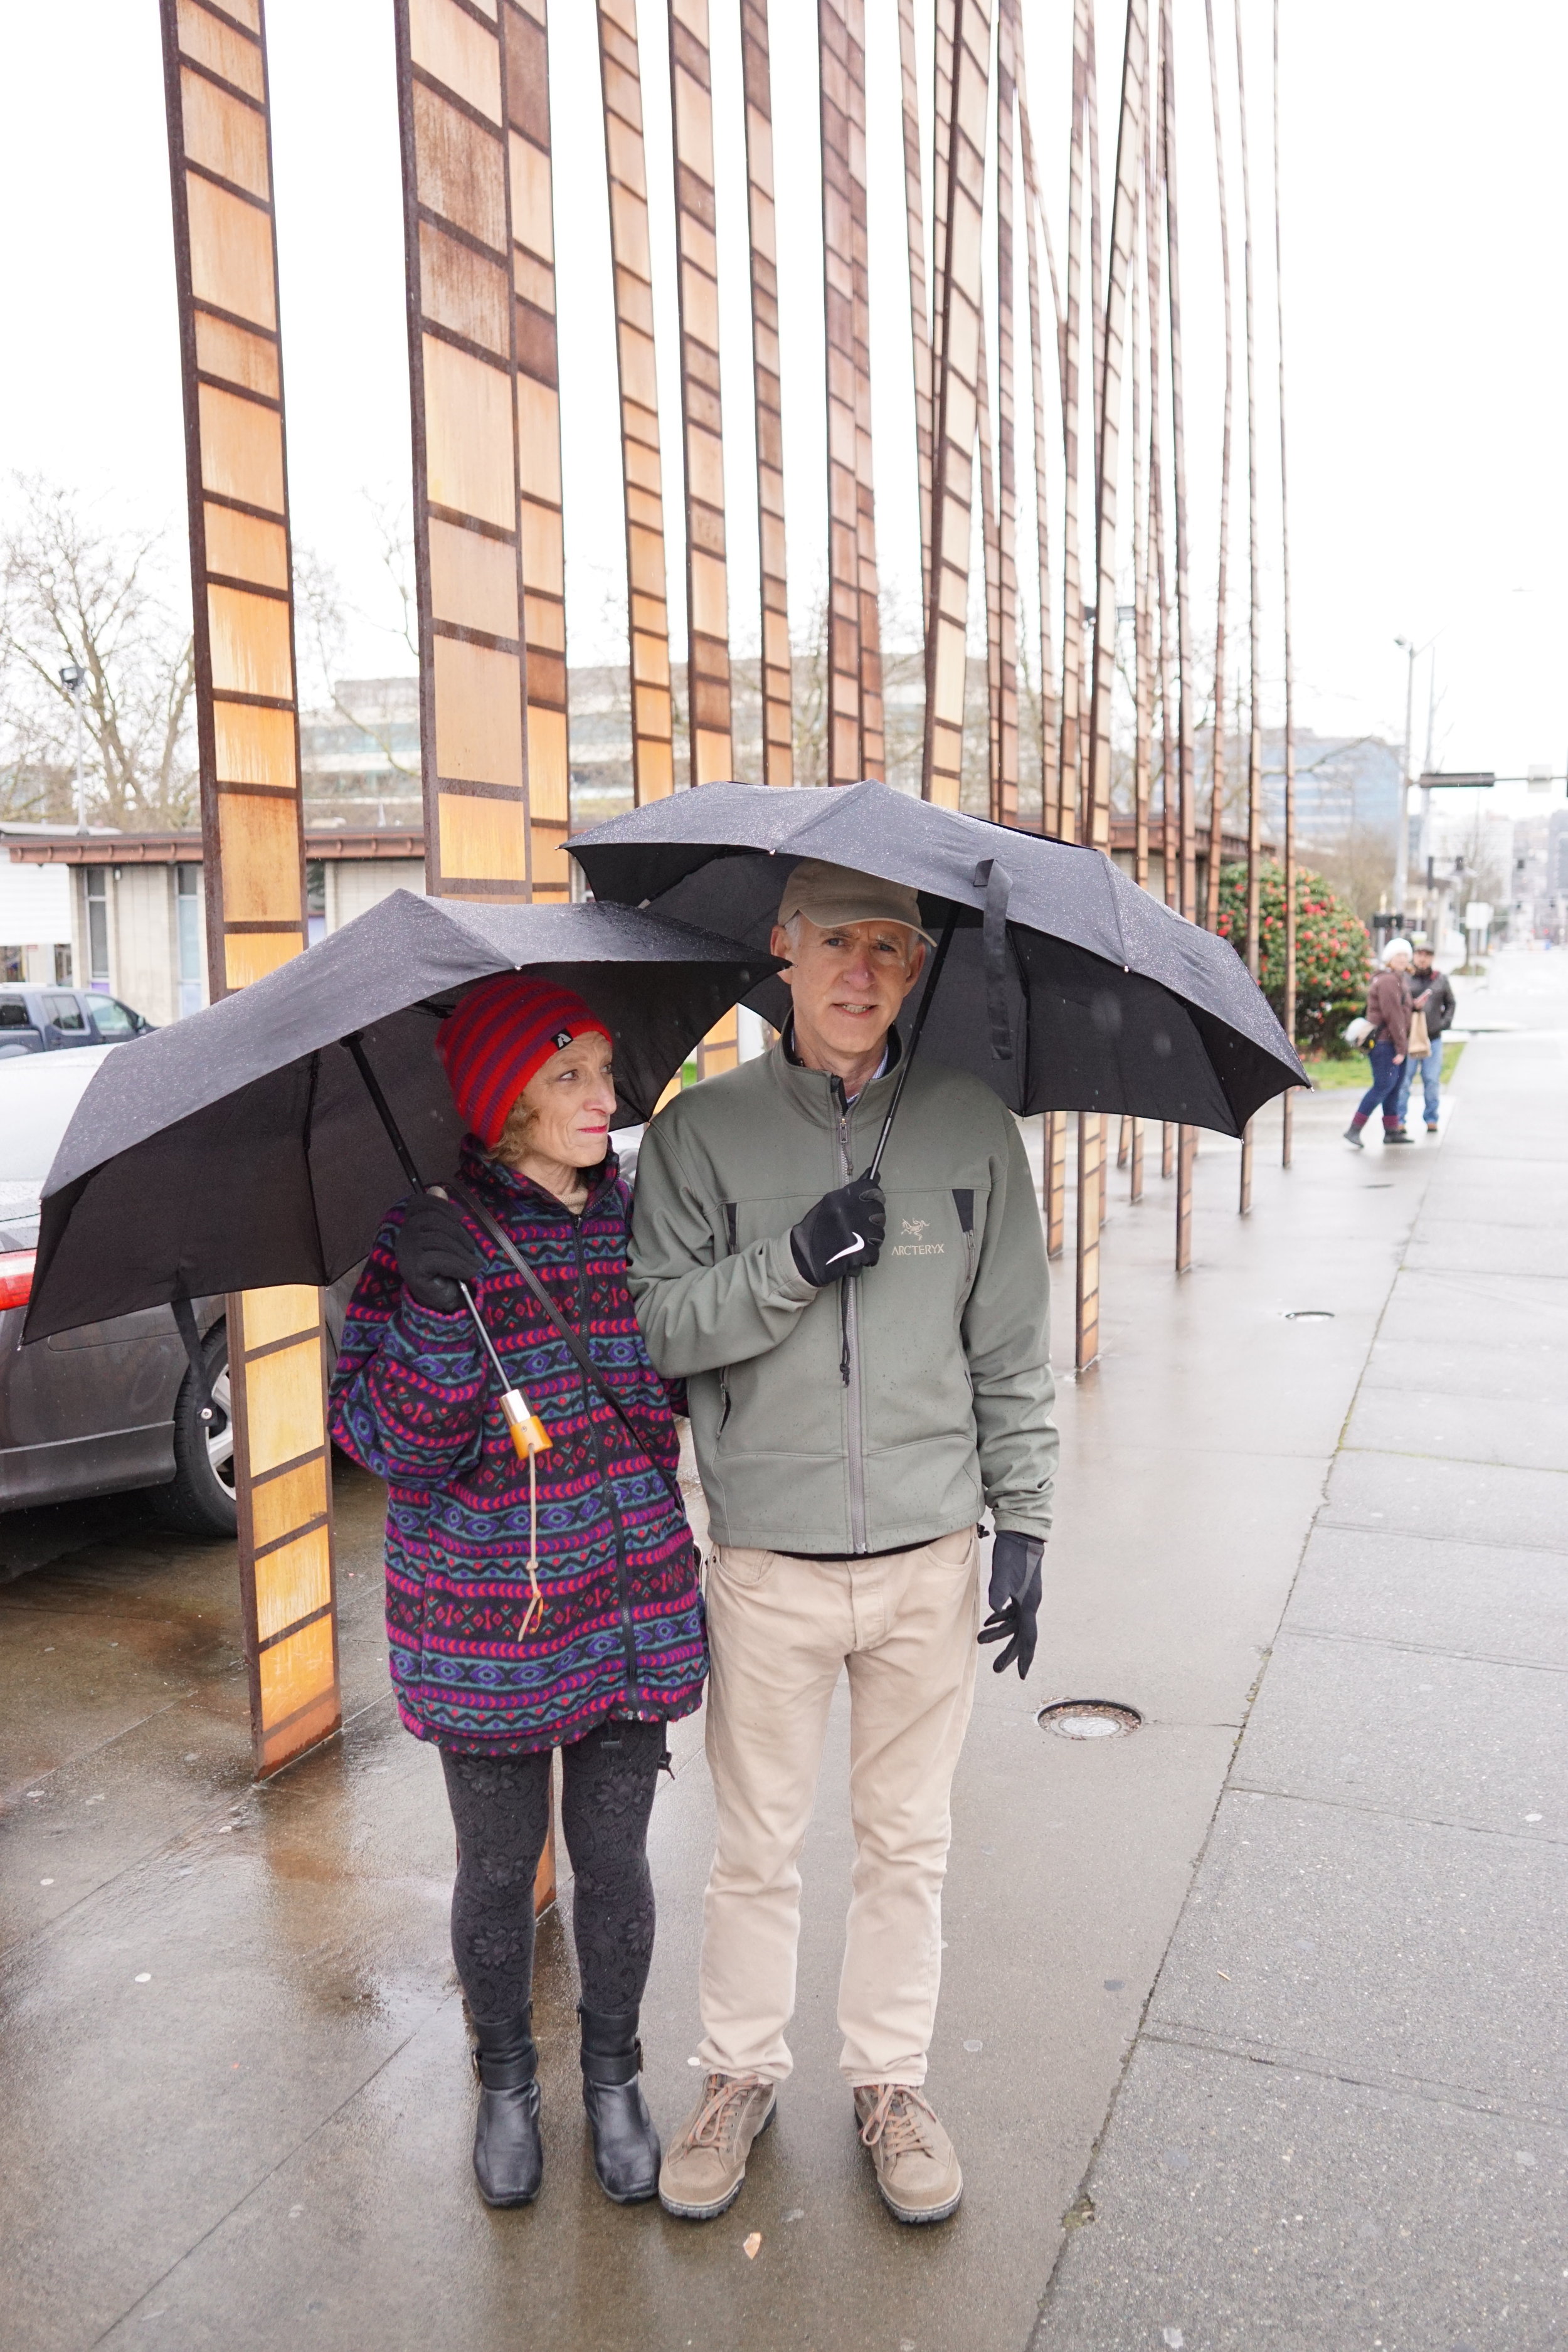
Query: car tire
{"points": [[199, 1500]]}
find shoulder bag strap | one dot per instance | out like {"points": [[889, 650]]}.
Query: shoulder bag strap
{"points": [[503, 1242]]}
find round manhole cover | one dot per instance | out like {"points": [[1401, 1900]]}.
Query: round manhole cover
{"points": [[1308, 1315], [1088, 1718]]}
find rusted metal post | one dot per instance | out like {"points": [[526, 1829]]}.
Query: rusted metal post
{"points": [[778, 732], [1288, 1011], [956, 394], [647, 587], [226, 261], [1218, 759]]}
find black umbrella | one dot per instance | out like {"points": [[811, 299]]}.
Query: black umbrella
{"points": [[1062, 984], [242, 1148]]}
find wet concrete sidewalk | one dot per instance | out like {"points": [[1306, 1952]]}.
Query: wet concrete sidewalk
{"points": [[1345, 2121], [235, 2104]]}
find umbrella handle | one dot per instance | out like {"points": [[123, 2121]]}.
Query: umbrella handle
{"points": [[529, 1435], [919, 1021]]}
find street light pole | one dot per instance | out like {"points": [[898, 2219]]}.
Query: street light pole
{"points": [[1402, 840], [73, 678]]}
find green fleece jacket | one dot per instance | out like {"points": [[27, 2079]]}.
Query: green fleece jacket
{"points": [[947, 1406]]}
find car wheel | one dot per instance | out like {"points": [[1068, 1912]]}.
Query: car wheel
{"points": [[199, 1500]]}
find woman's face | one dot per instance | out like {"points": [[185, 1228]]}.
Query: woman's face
{"points": [[571, 1101]]}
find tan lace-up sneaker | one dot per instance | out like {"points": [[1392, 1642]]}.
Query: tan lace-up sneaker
{"points": [[705, 2163], [917, 2167]]}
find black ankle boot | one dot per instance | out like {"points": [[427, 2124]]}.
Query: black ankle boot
{"points": [[626, 2144], [509, 2162]]}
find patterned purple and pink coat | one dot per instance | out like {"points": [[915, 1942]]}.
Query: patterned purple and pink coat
{"points": [[622, 1630]]}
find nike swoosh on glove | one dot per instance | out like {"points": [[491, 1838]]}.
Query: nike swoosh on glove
{"points": [[843, 1234]]}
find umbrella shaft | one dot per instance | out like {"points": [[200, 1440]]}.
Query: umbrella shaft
{"points": [[919, 1021]]}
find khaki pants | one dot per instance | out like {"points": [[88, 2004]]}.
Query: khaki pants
{"points": [[781, 1631]]}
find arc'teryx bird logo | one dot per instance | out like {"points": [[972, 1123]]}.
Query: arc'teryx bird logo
{"points": [[912, 1245]]}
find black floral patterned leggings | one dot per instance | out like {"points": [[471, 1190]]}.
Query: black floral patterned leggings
{"points": [[500, 1806]]}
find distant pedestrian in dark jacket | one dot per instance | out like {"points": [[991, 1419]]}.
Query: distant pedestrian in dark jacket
{"points": [[1430, 993], [519, 1624], [1388, 1010]]}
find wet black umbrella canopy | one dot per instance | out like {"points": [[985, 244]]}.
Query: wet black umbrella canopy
{"points": [[239, 1148], [1066, 987]]}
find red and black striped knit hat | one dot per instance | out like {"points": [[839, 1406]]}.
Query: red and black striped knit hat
{"points": [[495, 1040]]}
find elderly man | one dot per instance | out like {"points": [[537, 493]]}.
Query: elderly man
{"points": [[868, 1371], [1431, 992]]}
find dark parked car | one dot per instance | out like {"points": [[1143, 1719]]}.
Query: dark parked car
{"points": [[40, 1020], [110, 1406]]}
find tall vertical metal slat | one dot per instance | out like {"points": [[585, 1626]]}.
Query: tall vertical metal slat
{"points": [[697, 255], [463, 370], [920, 321], [873, 733], [991, 577], [1034, 233], [1142, 649], [778, 732], [1108, 447], [1255, 592], [1005, 786], [1186, 681], [642, 475], [1054, 1142], [1255, 597], [844, 713], [1288, 1102], [1222, 583], [220, 156], [1154, 177], [1187, 891], [957, 383], [541, 527], [1107, 438], [1068, 775]]}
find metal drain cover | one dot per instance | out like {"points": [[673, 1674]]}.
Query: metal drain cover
{"points": [[1308, 1315], [1088, 1718]]}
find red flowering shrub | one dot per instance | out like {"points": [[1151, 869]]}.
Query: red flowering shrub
{"points": [[1334, 954]]}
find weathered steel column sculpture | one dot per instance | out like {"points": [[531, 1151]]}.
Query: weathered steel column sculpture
{"points": [[1108, 446], [487, 536], [225, 260], [642, 476], [697, 250], [1288, 1010], [956, 396], [778, 730], [854, 738]]}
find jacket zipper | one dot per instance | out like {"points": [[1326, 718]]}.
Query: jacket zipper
{"points": [[629, 1636], [850, 1291]]}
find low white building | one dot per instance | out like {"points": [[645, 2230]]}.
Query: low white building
{"points": [[125, 912]]}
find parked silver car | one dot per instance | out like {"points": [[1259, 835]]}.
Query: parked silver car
{"points": [[110, 1406], [45, 1019]]}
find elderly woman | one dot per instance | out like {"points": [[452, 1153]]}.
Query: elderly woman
{"points": [[1388, 1010], [531, 1613]]}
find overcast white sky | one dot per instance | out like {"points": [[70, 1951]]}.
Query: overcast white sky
{"points": [[1426, 319]]}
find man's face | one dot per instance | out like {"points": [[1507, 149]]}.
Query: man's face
{"points": [[1423, 960], [848, 984]]}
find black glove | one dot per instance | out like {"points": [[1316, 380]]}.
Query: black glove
{"points": [[434, 1253], [842, 1234], [1015, 1600]]}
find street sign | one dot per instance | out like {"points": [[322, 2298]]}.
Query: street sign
{"points": [[1476, 779], [1477, 914]]}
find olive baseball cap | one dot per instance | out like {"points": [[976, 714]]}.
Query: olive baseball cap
{"points": [[832, 895]]}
